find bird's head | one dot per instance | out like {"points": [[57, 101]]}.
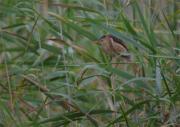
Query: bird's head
{"points": [[104, 39], [109, 39]]}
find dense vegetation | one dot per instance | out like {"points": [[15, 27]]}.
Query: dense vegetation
{"points": [[53, 74]]}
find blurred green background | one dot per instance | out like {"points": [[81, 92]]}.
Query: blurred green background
{"points": [[52, 74]]}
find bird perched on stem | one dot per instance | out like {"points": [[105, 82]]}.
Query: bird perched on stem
{"points": [[113, 46]]}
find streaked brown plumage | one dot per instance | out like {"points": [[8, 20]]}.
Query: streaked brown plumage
{"points": [[113, 46]]}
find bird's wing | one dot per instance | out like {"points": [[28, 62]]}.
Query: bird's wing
{"points": [[119, 41], [116, 47]]}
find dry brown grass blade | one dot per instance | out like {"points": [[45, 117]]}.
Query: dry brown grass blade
{"points": [[77, 48]]}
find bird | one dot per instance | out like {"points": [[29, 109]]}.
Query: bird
{"points": [[118, 51], [113, 46]]}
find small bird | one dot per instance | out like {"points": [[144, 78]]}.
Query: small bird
{"points": [[118, 51], [113, 46]]}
